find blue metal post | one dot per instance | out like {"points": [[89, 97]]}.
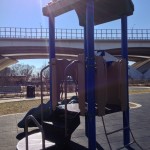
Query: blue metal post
{"points": [[51, 50], [90, 74], [125, 56], [85, 54], [85, 42]]}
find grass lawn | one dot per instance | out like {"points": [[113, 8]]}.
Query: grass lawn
{"points": [[23, 106], [139, 91], [18, 106]]}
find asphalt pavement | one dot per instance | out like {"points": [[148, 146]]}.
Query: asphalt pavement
{"points": [[139, 123]]}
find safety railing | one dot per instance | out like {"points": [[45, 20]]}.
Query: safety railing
{"points": [[43, 33], [28, 119]]}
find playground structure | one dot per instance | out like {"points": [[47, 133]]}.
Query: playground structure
{"points": [[110, 83], [102, 84]]}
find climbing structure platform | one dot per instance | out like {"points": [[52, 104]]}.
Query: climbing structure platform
{"points": [[104, 10]]}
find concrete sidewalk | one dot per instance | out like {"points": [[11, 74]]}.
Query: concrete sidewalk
{"points": [[139, 121], [14, 99]]}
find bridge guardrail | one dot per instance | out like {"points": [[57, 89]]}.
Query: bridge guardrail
{"points": [[43, 33]]}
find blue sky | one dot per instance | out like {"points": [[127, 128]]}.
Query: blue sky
{"points": [[28, 14]]}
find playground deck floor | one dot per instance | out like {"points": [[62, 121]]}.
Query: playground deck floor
{"points": [[139, 122]]}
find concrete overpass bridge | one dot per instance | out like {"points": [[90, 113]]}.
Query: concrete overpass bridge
{"points": [[32, 43]]}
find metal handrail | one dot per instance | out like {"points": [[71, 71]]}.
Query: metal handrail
{"points": [[99, 34], [65, 77], [29, 118], [42, 92]]}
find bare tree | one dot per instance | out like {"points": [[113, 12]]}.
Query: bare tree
{"points": [[22, 70]]}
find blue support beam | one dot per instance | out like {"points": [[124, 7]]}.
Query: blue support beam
{"points": [[125, 56], [90, 74], [85, 54], [51, 50]]}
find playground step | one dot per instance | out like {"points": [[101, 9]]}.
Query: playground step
{"points": [[54, 130], [54, 127]]}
